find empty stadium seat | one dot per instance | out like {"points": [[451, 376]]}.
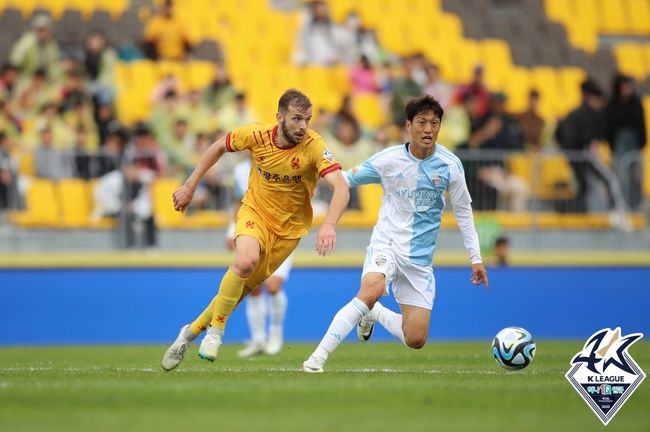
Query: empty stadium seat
{"points": [[42, 207], [75, 196], [164, 213]]}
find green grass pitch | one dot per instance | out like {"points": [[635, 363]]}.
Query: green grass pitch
{"points": [[450, 386]]}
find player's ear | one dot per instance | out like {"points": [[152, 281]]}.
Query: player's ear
{"points": [[278, 117]]}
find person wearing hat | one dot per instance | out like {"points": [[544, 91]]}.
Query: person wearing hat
{"points": [[36, 49]]}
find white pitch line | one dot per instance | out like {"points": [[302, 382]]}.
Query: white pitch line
{"points": [[252, 370]]}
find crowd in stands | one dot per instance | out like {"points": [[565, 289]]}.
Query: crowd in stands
{"points": [[59, 108]]}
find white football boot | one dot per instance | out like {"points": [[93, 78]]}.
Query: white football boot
{"points": [[252, 349], [210, 344], [311, 365], [365, 327], [274, 344], [175, 353]]}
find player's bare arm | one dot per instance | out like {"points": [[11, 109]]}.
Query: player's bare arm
{"points": [[326, 237], [183, 195], [479, 275]]}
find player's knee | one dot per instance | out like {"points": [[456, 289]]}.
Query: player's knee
{"points": [[274, 285], [415, 340], [245, 265]]}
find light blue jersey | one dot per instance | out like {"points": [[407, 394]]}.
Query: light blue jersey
{"points": [[414, 201]]}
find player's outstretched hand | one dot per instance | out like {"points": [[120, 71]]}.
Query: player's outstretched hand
{"points": [[326, 240], [479, 275], [182, 197]]}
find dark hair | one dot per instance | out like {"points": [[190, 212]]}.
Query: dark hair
{"points": [[501, 240], [423, 104], [293, 97], [617, 83], [590, 87]]}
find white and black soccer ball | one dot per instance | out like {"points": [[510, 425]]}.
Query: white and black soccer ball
{"points": [[513, 348]]}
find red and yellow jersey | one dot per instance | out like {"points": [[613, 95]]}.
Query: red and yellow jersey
{"points": [[282, 180]]}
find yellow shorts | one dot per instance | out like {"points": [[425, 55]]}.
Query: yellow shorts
{"points": [[274, 249]]}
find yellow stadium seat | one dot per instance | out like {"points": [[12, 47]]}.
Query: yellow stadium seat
{"points": [[548, 176], [612, 16], [26, 163], [496, 56], [115, 7], [77, 204], [585, 11], [161, 194], [558, 10], [570, 79], [42, 205], [369, 110], [629, 57], [545, 80], [517, 87], [638, 12]]}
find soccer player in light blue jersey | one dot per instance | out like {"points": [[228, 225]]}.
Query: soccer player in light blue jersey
{"points": [[415, 177]]}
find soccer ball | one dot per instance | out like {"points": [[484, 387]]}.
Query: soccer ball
{"points": [[513, 348]]}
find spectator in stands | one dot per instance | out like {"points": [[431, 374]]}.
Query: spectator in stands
{"points": [[220, 92], [348, 143], [353, 40], [322, 122], [49, 163], [165, 35], [436, 87], [50, 118], [236, 114], [163, 115], [496, 135], [144, 150], [105, 120], [99, 61], [180, 146], [317, 41], [80, 116], [460, 120], [80, 158], [200, 119], [384, 137], [362, 77], [73, 90], [211, 192], [532, 124], [580, 134], [8, 175], [477, 88], [419, 69], [9, 75], [110, 155], [9, 124], [351, 149], [404, 88], [626, 135], [34, 92], [36, 49], [502, 251], [126, 195]]}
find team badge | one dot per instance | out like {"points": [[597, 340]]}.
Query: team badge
{"points": [[295, 163], [327, 155], [380, 260], [250, 224], [604, 373], [436, 180]]}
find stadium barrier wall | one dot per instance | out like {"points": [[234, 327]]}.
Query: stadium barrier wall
{"points": [[148, 305]]}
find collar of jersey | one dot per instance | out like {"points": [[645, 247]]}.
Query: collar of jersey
{"points": [[413, 158]]}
